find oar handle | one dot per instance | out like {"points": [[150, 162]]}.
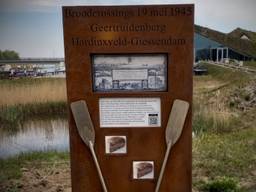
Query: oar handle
{"points": [[159, 181], [98, 167]]}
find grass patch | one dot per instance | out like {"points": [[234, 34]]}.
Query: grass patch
{"points": [[224, 146], [203, 122], [226, 75], [250, 64], [232, 154], [217, 100], [12, 116], [11, 168]]}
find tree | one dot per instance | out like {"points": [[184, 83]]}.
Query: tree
{"points": [[1, 54], [8, 54]]}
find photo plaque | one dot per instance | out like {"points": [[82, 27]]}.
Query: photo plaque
{"points": [[134, 72], [143, 169], [115, 144]]}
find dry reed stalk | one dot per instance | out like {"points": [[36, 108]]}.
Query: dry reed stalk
{"points": [[202, 84], [45, 91]]}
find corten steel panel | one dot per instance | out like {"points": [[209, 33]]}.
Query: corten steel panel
{"points": [[143, 143]]}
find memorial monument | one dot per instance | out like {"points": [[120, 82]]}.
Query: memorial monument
{"points": [[129, 87]]}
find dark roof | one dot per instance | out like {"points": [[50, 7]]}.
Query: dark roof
{"points": [[231, 40], [238, 33]]}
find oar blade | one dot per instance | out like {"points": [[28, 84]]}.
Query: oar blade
{"points": [[176, 121], [83, 121]]}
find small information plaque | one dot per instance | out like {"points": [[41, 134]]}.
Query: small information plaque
{"points": [[130, 112]]}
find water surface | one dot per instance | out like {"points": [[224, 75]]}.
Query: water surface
{"points": [[43, 135]]}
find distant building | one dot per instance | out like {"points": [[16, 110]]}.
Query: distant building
{"points": [[5, 68], [32, 67], [220, 47]]}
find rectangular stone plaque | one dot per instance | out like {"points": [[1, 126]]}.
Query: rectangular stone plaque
{"points": [[130, 112], [134, 60]]}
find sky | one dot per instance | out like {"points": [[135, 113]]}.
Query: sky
{"points": [[33, 28]]}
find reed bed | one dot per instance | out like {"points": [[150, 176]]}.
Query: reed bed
{"points": [[13, 116], [32, 90], [212, 118], [31, 98], [211, 110]]}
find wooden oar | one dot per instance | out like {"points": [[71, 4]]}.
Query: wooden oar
{"points": [[86, 131], [173, 131]]}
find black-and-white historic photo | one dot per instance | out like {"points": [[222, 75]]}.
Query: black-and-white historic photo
{"points": [[139, 72]]}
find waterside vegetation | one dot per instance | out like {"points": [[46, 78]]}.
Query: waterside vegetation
{"points": [[30, 99], [224, 126], [32, 90], [13, 116]]}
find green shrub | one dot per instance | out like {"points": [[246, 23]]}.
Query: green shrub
{"points": [[222, 184]]}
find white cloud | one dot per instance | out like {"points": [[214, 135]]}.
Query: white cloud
{"points": [[44, 3], [222, 15]]}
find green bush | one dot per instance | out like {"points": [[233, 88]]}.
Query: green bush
{"points": [[222, 184]]}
